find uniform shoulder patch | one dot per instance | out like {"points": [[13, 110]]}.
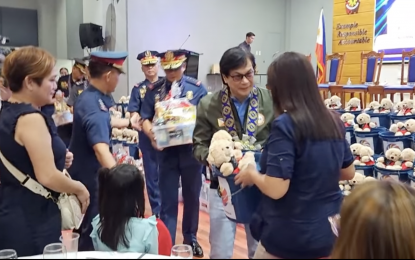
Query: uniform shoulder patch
{"points": [[102, 105], [193, 81], [156, 84]]}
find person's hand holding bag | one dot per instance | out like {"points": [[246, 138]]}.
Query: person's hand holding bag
{"points": [[83, 197]]}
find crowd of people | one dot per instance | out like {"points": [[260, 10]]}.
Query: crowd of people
{"points": [[301, 163]]}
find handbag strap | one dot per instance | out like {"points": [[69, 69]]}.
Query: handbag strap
{"points": [[26, 180]]}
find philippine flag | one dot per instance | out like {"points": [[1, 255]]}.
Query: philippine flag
{"points": [[321, 50]]}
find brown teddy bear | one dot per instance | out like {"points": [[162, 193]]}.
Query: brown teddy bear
{"points": [[408, 158], [391, 161], [221, 155], [236, 146], [363, 123]]}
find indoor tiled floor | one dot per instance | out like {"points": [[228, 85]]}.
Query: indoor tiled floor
{"points": [[240, 249]]}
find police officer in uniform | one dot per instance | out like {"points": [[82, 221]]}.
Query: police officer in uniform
{"points": [[92, 131], [149, 60], [177, 161], [76, 78]]}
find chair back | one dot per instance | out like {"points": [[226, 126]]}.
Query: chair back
{"points": [[411, 67], [165, 242], [336, 67], [370, 69]]}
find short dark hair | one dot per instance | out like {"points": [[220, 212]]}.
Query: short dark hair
{"points": [[234, 58], [293, 85], [121, 197], [63, 68], [97, 69], [250, 34]]}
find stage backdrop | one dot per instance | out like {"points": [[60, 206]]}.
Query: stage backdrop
{"points": [[353, 32]]}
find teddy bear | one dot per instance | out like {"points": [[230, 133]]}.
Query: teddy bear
{"points": [[408, 158], [374, 107], [345, 187], [391, 161], [357, 179], [348, 119], [386, 105], [363, 123], [398, 107], [236, 146], [247, 159], [369, 178], [365, 156], [117, 133], [355, 149], [221, 156], [353, 105], [334, 102], [327, 102], [407, 108], [401, 128]]}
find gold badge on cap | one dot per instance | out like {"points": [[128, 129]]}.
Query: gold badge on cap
{"points": [[189, 95], [142, 92], [169, 56]]}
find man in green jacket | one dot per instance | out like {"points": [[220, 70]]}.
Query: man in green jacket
{"points": [[242, 109]]}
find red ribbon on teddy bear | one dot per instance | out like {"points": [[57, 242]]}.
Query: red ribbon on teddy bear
{"points": [[353, 108], [365, 126], [407, 110], [347, 124], [402, 130]]}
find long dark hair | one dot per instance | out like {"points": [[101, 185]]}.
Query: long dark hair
{"points": [[294, 89], [121, 197]]}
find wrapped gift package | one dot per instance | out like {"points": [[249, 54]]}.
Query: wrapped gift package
{"points": [[174, 122]]}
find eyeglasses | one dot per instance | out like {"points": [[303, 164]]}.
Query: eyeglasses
{"points": [[335, 224], [248, 76]]}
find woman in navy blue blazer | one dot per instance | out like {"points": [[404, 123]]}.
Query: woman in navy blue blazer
{"points": [[305, 157]]}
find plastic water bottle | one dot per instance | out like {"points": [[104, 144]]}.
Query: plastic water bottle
{"points": [[349, 82]]}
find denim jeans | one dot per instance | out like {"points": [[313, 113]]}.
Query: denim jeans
{"points": [[222, 231]]}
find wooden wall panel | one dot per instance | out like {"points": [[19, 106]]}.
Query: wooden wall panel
{"points": [[352, 34]]}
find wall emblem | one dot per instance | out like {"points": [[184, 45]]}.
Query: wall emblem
{"points": [[352, 6]]}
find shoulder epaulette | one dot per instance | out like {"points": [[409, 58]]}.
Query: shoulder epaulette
{"points": [[156, 84], [138, 84], [64, 78], [193, 81]]}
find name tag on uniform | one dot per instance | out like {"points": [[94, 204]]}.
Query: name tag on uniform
{"points": [[221, 123]]}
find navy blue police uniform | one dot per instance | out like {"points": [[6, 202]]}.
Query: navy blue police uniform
{"points": [[177, 162], [147, 58], [91, 126], [69, 87], [65, 83]]}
